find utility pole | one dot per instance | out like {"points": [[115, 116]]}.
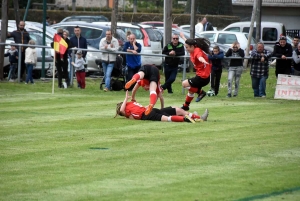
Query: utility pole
{"points": [[134, 6], [3, 35], [192, 27], [258, 20], [114, 17], [250, 33], [73, 5], [16, 9], [167, 21]]}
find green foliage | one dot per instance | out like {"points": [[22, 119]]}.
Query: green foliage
{"points": [[68, 146]]}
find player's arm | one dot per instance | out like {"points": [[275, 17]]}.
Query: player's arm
{"points": [[134, 90], [123, 106], [162, 101]]}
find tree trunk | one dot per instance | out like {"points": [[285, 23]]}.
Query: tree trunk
{"points": [[4, 21]]}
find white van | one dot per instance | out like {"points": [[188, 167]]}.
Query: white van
{"points": [[270, 31]]}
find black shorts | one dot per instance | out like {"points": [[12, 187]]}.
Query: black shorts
{"points": [[198, 82], [156, 114], [151, 73]]}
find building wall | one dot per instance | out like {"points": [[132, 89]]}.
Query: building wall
{"points": [[89, 3], [290, 17]]}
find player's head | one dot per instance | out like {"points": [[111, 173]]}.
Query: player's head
{"points": [[118, 109]]}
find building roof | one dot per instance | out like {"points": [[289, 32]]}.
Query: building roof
{"points": [[268, 3]]}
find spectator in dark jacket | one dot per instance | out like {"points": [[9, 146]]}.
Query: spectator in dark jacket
{"points": [[207, 26], [282, 50], [296, 60], [13, 60], [235, 67], [215, 76], [259, 69], [79, 42], [175, 48], [21, 36]]}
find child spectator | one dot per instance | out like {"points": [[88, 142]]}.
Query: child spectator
{"points": [[80, 70], [216, 72], [13, 60], [30, 61]]}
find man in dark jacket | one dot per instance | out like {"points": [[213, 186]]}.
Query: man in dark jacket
{"points": [[79, 42], [282, 50], [21, 36], [207, 26], [175, 48], [216, 58]]}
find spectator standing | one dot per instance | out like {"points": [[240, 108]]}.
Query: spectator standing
{"points": [[295, 42], [216, 72], [13, 60], [80, 70], [259, 71], [48, 22], [65, 58], [59, 60], [174, 48], [207, 26], [79, 41], [110, 44], [235, 68], [282, 50], [21, 36], [199, 26], [30, 60], [133, 62], [296, 59]]}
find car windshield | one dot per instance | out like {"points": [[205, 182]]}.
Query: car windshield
{"points": [[38, 37], [151, 34]]}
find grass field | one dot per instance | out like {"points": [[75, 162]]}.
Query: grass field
{"points": [[68, 146]]}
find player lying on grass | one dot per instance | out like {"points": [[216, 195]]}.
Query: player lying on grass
{"points": [[134, 110]]}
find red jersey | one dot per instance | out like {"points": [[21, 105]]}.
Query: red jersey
{"points": [[202, 70], [146, 84], [135, 109]]}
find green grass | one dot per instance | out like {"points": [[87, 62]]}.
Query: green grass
{"points": [[68, 146]]}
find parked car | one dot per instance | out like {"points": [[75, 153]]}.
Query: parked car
{"points": [[86, 18], [229, 37], [158, 24], [269, 34], [92, 32], [187, 27], [146, 37]]}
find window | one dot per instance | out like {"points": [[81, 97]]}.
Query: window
{"points": [[226, 38], [253, 41], [209, 36], [246, 30], [151, 34], [235, 29], [270, 34]]}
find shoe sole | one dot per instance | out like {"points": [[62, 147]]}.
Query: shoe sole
{"points": [[129, 84], [189, 118], [199, 99]]}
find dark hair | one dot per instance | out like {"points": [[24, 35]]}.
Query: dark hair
{"points": [[202, 43], [297, 37], [216, 48], [77, 27]]}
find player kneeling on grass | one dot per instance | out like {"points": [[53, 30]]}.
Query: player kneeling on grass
{"points": [[134, 110]]}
